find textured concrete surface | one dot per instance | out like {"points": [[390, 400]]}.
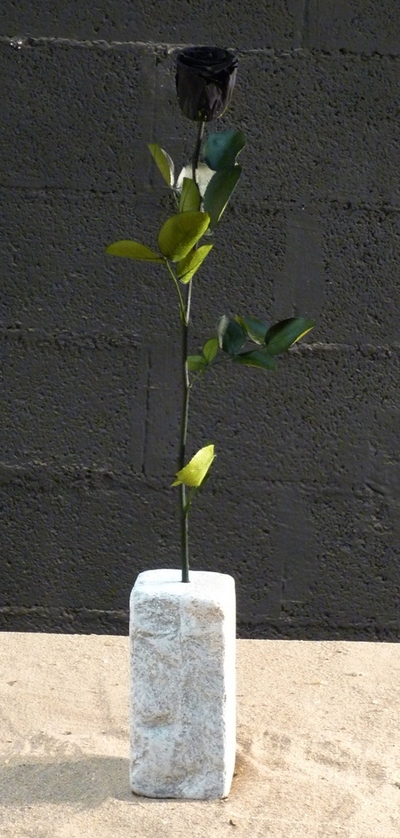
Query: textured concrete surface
{"points": [[318, 747], [182, 685], [175, 21], [303, 504]]}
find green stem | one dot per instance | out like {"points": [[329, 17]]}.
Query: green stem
{"points": [[185, 504], [184, 508], [195, 160], [181, 303]]}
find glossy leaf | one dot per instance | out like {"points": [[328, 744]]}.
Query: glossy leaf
{"points": [[220, 150], [254, 328], [210, 349], [163, 162], [190, 196], [283, 335], [196, 363], [219, 191], [222, 326], [180, 233], [256, 358], [188, 266], [195, 471], [133, 250], [233, 338]]}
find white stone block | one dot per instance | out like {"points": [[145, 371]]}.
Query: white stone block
{"points": [[183, 684]]}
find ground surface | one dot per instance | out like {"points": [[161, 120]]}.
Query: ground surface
{"points": [[318, 743]]}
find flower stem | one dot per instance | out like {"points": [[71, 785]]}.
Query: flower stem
{"points": [[185, 505], [184, 509], [181, 302], [195, 160]]}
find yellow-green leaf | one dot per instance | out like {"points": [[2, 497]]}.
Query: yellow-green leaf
{"points": [[133, 250], [180, 233], [210, 349], [195, 471], [190, 196], [196, 363], [163, 162], [190, 264]]}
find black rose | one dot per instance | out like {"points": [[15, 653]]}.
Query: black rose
{"points": [[205, 78]]}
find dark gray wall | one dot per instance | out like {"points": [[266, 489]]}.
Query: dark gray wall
{"points": [[303, 504]]}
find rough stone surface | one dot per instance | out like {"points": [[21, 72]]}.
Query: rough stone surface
{"points": [[362, 26], [183, 685]]}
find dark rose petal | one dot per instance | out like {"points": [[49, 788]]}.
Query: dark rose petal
{"points": [[205, 78]]}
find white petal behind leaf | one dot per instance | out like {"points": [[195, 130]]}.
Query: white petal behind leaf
{"points": [[203, 177]]}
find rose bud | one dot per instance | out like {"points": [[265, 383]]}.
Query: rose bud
{"points": [[205, 78]]}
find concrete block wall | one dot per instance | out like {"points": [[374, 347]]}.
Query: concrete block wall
{"points": [[303, 504]]}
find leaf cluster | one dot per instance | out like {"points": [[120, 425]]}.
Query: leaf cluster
{"points": [[235, 334], [200, 206], [216, 176]]}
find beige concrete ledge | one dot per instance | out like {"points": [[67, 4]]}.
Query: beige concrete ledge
{"points": [[318, 743]]}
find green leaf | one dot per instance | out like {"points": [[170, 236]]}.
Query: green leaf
{"points": [[210, 349], [180, 233], [164, 163], [190, 196], [195, 471], [133, 250], [256, 358], [222, 326], [254, 328], [196, 363], [220, 150], [283, 335], [188, 266], [219, 191], [233, 338]]}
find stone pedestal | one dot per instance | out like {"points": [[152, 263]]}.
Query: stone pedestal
{"points": [[183, 686]]}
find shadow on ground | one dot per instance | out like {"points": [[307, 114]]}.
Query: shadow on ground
{"points": [[86, 783]]}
